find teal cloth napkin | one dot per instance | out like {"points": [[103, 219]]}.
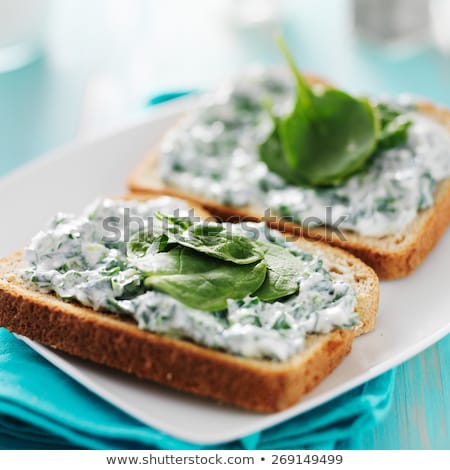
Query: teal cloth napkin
{"points": [[43, 408]]}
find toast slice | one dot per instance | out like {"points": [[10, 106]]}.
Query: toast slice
{"points": [[117, 342], [392, 256]]}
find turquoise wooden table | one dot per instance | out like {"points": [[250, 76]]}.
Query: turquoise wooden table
{"points": [[105, 58]]}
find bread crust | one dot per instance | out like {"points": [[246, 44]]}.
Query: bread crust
{"points": [[392, 256], [115, 341]]}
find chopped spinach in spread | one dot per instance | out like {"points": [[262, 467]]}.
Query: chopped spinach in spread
{"points": [[238, 288]]}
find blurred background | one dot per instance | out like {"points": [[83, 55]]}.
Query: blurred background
{"points": [[75, 68]]}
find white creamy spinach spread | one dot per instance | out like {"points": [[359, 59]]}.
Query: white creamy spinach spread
{"points": [[214, 153], [238, 288]]}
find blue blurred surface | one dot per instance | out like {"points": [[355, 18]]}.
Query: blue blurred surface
{"points": [[105, 58]]}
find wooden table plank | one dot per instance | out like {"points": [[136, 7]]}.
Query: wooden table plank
{"points": [[420, 414]]}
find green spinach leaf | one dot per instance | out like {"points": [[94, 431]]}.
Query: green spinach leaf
{"points": [[212, 239], [328, 136], [203, 266], [216, 241], [200, 281], [283, 271]]}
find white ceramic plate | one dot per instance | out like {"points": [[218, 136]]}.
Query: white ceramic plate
{"points": [[413, 311]]}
